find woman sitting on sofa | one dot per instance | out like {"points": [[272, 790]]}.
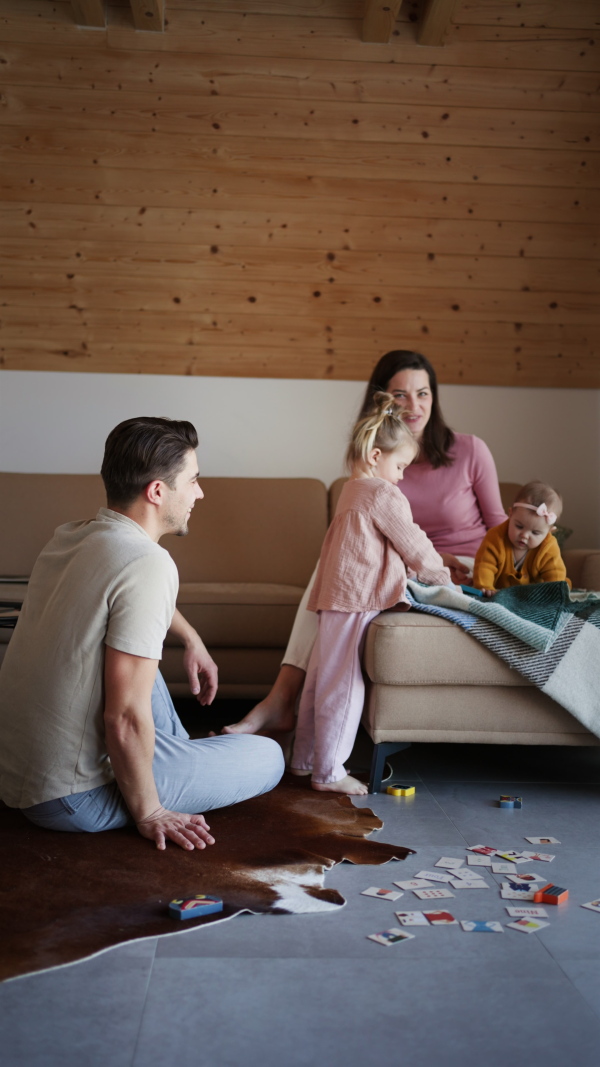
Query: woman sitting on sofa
{"points": [[453, 491]]}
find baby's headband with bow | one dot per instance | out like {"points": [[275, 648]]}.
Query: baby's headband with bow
{"points": [[542, 511]]}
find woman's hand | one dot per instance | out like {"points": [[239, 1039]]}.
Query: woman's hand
{"points": [[459, 572]]}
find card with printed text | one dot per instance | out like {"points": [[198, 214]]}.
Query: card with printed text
{"points": [[593, 905], [532, 912], [414, 883], [435, 876], [543, 840], [504, 868], [449, 863], [483, 850], [479, 861]]}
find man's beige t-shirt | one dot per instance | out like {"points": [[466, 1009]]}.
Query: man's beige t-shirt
{"points": [[102, 581]]}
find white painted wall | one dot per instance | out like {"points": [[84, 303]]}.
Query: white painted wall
{"points": [[57, 423]]}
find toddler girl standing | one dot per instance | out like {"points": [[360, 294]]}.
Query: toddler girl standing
{"points": [[362, 571]]}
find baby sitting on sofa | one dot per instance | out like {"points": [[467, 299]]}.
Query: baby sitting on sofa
{"points": [[522, 550]]}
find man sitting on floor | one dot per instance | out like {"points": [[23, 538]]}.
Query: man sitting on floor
{"points": [[89, 737]]}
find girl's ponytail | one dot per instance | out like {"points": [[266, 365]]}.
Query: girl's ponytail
{"points": [[382, 427]]}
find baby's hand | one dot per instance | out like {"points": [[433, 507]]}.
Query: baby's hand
{"points": [[488, 592]]}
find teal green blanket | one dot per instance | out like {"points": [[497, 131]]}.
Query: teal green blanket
{"points": [[536, 614], [550, 636]]}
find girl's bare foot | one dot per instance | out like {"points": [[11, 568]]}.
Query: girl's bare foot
{"points": [[348, 785], [278, 710]]}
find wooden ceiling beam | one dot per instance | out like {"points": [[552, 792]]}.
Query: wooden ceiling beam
{"points": [[434, 22], [379, 19], [148, 14], [89, 13]]}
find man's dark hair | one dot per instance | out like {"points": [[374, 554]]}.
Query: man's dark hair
{"points": [[438, 438], [139, 451]]}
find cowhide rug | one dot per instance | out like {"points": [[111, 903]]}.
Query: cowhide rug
{"points": [[65, 897]]}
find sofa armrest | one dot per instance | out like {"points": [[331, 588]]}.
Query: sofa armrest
{"points": [[583, 567]]}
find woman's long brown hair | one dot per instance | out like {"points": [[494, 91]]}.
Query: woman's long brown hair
{"points": [[438, 438]]}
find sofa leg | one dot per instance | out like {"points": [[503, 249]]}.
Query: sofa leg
{"points": [[380, 754]]}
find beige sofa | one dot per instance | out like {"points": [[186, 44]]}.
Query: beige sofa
{"points": [[252, 546], [243, 567]]}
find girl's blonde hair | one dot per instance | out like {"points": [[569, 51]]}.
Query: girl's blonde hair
{"points": [[382, 427]]}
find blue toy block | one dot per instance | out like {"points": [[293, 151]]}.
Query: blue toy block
{"points": [[195, 907], [510, 802], [470, 591]]}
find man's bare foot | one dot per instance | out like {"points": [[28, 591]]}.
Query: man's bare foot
{"points": [[294, 770], [348, 785], [278, 710]]}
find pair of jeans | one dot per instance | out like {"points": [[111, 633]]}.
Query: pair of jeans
{"points": [[191, 776]]}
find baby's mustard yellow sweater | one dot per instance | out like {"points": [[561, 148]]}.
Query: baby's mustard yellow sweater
{"points": [[495, 562]]}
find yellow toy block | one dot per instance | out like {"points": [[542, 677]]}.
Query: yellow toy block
{"points": [[401, 790]]}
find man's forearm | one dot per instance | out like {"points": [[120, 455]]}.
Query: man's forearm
{"points": [[130, 746], [182, 629], [199, 665]]}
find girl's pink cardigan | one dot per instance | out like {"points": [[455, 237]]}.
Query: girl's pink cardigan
{"points": [[369, 547]]}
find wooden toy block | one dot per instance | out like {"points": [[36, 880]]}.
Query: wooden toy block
{"points": [[550, 894], [510, 802], [401, 790], [195, 907]]}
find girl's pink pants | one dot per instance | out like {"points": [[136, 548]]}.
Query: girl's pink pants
{"points": [[333, 695]]}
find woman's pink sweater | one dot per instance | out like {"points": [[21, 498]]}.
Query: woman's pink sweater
{"points": [[457, 505], [368, 548]]}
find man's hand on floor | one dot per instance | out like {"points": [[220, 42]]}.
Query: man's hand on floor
{"points": [[187, 831]]}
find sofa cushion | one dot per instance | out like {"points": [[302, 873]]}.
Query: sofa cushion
{"points": [[583, 567], [240, 614], [253, 530], [406, 648], [34, 505], [240, 667], [245, 529]]}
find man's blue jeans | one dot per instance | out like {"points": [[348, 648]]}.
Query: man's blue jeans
{"points": [[191, 776]]}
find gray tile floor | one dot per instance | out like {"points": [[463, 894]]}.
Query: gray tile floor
{"points": [[294, 990]]}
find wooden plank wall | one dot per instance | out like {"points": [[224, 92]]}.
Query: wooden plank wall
{"points": [[257, 192]]}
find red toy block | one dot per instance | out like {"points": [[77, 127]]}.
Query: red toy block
{"points": [[550, 894]]}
